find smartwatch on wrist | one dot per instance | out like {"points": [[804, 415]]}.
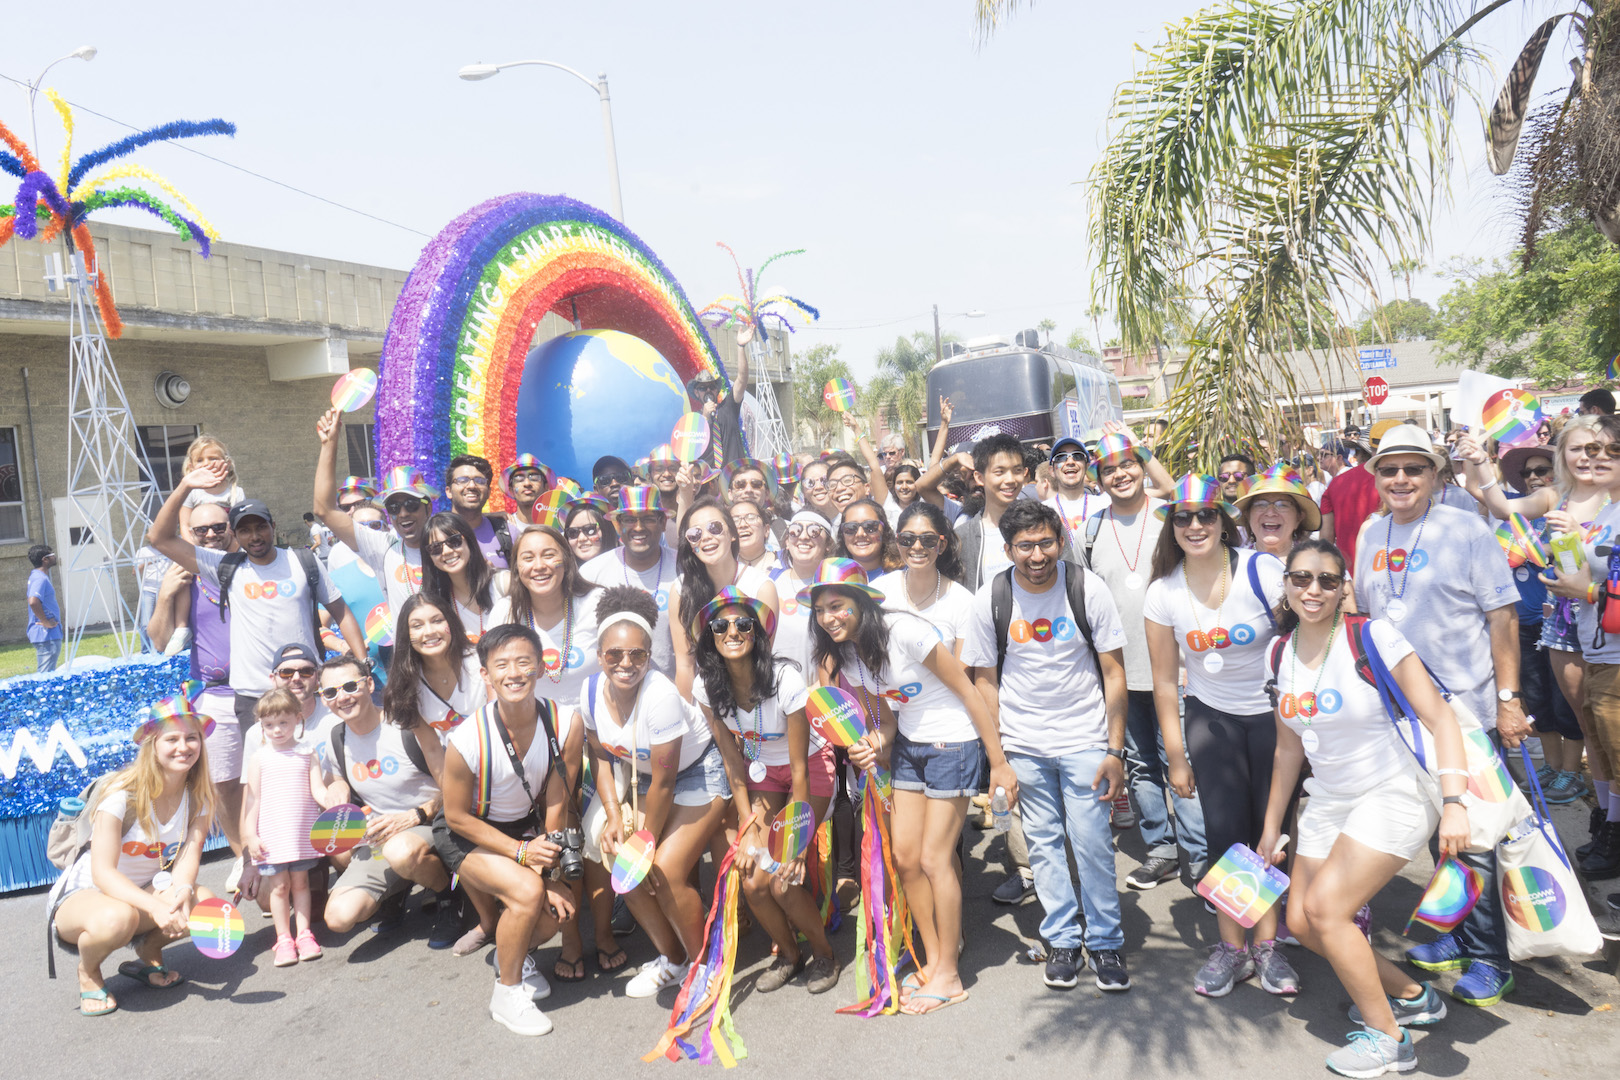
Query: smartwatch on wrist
{"points": [[1117, 752], [421, 816]]}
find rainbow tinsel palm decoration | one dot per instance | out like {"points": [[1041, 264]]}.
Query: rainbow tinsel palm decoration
{"points": [[753, 309], [47, 206]]}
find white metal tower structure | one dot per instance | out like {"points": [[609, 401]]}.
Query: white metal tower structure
{"points": [[109, 479], [769, 436]]}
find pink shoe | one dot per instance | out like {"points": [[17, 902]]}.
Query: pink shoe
{"points": [[308, 947], [286, 952]]}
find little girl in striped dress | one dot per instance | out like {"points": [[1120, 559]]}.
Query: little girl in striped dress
{"points": [[283, 793]]}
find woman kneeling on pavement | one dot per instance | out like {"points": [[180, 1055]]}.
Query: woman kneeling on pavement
{"points": [[137, 881], [505, 790], [1371, 808], [754, 704]]}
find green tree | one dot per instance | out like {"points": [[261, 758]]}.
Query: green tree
{"points": [[1046, 327], [1271, 156], [1553, 320], [1398, 320], [811, 372], [1078, 341], [899, 391], [1404, 269]]}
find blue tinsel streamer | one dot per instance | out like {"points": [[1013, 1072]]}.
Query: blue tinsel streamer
{"points": [[9, 163], [178, 129]]}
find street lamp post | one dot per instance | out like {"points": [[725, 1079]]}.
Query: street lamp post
{"points": [[939, 349], [478, 72], [83, 52]]}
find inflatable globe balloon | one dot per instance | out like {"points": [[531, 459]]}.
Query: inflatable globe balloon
{"points": [[595, 392]]}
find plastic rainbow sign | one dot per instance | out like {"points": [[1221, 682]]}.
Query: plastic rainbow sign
{"points": [[835, 715], [379, 631], [216, 928], [631, 864], [452, 363], [353, 390], [1512, 416], [1520, 542], [338, 829], [839, 395], [1448, 898], [690, 437], [1242, 885], [791, 831]]}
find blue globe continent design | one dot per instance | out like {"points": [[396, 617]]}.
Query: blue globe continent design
{"points": [[589, 393]]}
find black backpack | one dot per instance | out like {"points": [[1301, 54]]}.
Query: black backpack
{"points": [[340, 735], [1001, 605], [503, 535], [232, 562]]}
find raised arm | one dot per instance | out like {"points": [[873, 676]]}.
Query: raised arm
{"points": [[165, 531], [946, 411], [928, 483], [326, 507], [874, 468]]}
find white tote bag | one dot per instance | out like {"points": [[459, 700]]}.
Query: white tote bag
{"points": [[1543, 903]]}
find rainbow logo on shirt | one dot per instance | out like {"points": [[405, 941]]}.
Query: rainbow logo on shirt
{"points": [[1533, 898], [216, 928], [338, 830], [378, 630], [1242, 885]]}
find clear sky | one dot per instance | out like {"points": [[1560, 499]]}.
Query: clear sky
{"points": [[915, 165]]}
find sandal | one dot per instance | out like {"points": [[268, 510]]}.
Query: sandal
{"points": [[944, 1002], [96, 995], [142, 973], [575, 970], [909, 987], [609, 962]]}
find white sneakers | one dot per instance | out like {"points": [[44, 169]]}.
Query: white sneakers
{"points": [[654, 976], [514, 1009]]}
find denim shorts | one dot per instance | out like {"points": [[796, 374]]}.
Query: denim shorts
{"points": [[938, 770], [700, 783], [1568, 640]]}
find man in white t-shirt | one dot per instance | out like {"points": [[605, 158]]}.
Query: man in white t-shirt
{"points": [[997, 463], [1061, 703], [641, 560]]}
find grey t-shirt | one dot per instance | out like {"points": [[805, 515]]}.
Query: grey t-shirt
{"points": [[1122, 555], [270, 607], [1446, 572]]}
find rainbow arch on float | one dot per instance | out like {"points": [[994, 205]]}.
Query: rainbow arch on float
{"points": [[452, 361]]}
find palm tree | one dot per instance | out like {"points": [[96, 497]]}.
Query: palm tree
{"points": [[1405, 268], [1095, 313], [899, 391], [1269, 155]]}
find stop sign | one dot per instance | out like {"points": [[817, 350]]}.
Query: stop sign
{"points": [[1376, 390]]}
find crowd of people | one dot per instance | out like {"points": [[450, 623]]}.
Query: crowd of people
{"points": [[1064, 642]]}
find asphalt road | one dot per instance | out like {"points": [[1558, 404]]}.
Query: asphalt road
{"points": [[387, 1006]]}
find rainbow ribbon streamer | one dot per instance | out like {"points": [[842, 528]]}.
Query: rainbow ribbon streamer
{"points": [[1451, 894], [707, 988], [884, 930], [1520, 543], [820, 880]]}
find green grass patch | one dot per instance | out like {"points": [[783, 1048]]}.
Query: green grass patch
{"points": [[19, 659]]}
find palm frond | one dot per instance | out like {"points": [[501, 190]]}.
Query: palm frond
{"points": [[1507, 115]]}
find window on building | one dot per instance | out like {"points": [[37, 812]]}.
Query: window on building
{"points": [[360, 438], [165, 446], [13, 521]]}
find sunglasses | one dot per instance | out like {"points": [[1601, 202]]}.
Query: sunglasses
{"points": [[1390, 472], [396, 507], [1183, 518], [862, 528], [1226, 476], [747, 519], [713, 528], [216, 529], [927, 541], [891, 453], [740, 484], [525, 476], [295, 673], [1592, 450], [1067, 456], [813, 485], [657, 467], [744, 625], [1539, 471], [1301, 579], [614, 478], [589, 532], [453, 542], [795, 532], [330, 693], [638, 522], [469, 481], [616, 657], [375, 526]]}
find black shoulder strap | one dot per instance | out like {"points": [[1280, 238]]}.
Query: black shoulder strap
{"points": [[339, 734], [1274, 664], [413, 749], [312, 580], [503, 535], [228, 566], [1358, 648], [1001, 614]]}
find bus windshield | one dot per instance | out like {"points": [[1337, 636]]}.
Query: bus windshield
{"points": [[991, 387]]}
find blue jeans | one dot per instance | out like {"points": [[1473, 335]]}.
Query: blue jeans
{"points": [[1148, 770], [46, 653], [1055, 794], [1483, 934]]}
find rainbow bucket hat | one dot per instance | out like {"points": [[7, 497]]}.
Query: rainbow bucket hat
{"points": [[731, 595], [1194, 492], [405, 480], [1116, 448], [784, 470], [844, 572], [175, 710], [638, 499], [662, 454], [749, 465], [358, 485], [526, 461], [1284, 480]]}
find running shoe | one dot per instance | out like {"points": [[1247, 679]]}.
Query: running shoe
{"points": [[1564, 789], [1063, 969], [285, 952], [654, 976], [1372, 1053], [1427, 1008], [1123, 817], [1015, 890], [308, 947], [447, 921], [391, 913], [1227, 966], [1483, 985], [1157, 868], [1441, 954], [1110, 968], [1276, 974]]}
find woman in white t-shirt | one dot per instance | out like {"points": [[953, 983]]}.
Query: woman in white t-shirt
{"points": [[137, 880], [864, 536], [1371, 807], [1209, 606], [433, 678], [940, 729], [707, 562], [753, 532], [550, 596], [754, 704], [650, 748], [930, 582], [807, 541], [504, 791], [456, 571]]}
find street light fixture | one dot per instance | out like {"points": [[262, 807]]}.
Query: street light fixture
{"points": [[83, 52], [939, 351], [480, 72]]}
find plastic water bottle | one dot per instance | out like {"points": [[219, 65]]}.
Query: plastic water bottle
{"points": [[70, 807], [1000, 811], [763, 858]]}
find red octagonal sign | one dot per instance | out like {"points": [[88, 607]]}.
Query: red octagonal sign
{"points": [[1376, 391]]}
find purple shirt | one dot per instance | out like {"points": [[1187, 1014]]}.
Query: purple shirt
{"points": [[210, 636]]}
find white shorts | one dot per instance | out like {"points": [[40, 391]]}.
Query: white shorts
{"points": [[1397, 817], [225, 744]]}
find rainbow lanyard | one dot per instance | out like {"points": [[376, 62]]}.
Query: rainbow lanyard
{"points": [[1406, 564]]}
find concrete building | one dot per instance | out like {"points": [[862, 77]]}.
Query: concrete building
{"points": [[257, 335]]}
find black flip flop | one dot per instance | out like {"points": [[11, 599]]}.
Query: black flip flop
{"points": [[573, 965], [604, 968]]}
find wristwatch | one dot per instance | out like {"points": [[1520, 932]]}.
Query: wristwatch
{"points": [[421, 816], [1506, 695], [1119, 753]]}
